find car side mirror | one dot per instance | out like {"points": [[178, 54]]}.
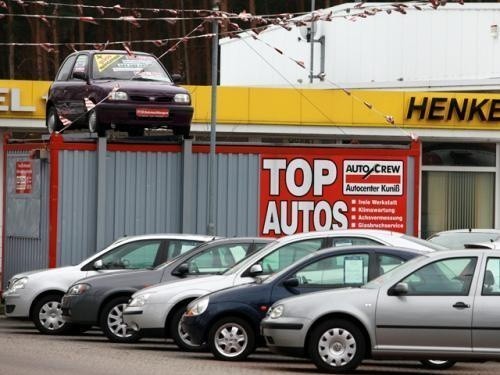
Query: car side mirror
{"points": [[80, 75], [255, 270], [399, 289], [177, 78], [292, 282], [98, 264], [181, 270]]}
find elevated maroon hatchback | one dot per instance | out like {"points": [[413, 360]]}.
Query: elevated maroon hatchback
{"points": [[99, 90]]}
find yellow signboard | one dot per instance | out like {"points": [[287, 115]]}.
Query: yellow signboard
{"points": [[283, 106]]}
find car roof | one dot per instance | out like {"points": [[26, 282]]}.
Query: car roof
{"points": [[117, 51], [338, 232], [468, 230], [193, 237]]}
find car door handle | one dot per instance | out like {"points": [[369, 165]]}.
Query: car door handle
{"points": [[461, 305]]}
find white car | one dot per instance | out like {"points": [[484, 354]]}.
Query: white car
{"points": [[37, 294], [156, 311]]}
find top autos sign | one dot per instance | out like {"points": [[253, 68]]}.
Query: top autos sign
{"points": [[313, 192]]}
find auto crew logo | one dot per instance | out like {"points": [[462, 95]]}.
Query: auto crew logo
{"points": [[373, 177]]}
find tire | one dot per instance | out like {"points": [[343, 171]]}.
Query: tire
{"points": [[435, 364], [93, 124], [180, 337], [112, 325], [52, 121], [47, 315], [337, 346], [231, 339], [182, 130]]}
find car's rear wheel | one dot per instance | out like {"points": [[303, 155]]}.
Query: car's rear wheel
{"points": [[93, 124], [47, 315], [181, 337], [436, 364], [231, 339], [337, 346], [52, 121], [112, 324]]}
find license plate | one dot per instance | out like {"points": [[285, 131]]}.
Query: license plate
{"points": [[151, 112]]}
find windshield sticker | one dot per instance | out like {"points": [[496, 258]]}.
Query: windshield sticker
{"points": [[104, 61]]}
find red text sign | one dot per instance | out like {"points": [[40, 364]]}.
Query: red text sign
{"points": [[24, 177]]}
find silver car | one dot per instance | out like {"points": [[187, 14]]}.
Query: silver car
{"points": [[154, 308], [438, 308]]}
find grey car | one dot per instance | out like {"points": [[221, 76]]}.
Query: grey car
{"points": [[99, 300], [441, 306]]}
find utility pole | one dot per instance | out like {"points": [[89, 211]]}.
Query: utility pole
{"points": [[311, 39], [211, 227]]}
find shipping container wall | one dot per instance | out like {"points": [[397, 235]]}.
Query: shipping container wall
{"points": [[26, 233], [237, 194], [77, 206]]}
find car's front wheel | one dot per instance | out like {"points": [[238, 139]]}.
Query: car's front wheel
{"points": [[182, 130], [52, 121], [47, 315], [112, 324], [337, 346], [231, 339], [437, 364], [93, 124]]}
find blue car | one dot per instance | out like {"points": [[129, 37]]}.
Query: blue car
{"points": [[228, 320]]}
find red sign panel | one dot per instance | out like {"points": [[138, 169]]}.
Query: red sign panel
{"points": [[152, 112], [24, 177], [314, 192]]}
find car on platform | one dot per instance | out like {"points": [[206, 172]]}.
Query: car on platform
{"points": [[123, 90], [99, 300], [228, 320], [460, 238], [37, 294], [154, 308], [442, 306]]}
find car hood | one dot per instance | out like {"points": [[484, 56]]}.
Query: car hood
{"points": [[318, 303], [48, 272], [141, 87], [123, 277], [207, 284], [240, 293]]}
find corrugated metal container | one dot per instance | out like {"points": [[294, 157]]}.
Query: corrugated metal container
{"points": [[425, 47], [22, 253]]}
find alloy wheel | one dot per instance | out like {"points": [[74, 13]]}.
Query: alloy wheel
{"points": [[231, 340], [115, 322]]}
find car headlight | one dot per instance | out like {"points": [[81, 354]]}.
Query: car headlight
{"points": [[276, 311], [139, 301], [78, 289], [182, 98], [197, 307], [118, 95], [18, 284]]}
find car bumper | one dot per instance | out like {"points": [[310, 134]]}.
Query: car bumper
{"points": [[124, 114], [148, 318], [81, 309], [16, 306], [286, 336]]}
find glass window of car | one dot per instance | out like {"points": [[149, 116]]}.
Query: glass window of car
{"points": [[126, 67], [288, 254], [217, 259], [132, 255], [335, 271], [353, 241], [387, 262], [80, 64], [178, 247], [447, 277], [66, 68], [491, 278]]}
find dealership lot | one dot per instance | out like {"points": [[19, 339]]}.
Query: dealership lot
{"points": [[23, 351]]}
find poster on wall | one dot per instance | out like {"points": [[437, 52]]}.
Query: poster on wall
{"points": [[24, 177], [314, 192]]}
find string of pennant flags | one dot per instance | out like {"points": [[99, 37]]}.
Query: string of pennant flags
{"points": [[359, 11]]}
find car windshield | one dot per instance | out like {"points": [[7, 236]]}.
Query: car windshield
{"points": [[242, 262], [431, 245], [109, 66], [402, 268], [458, 240]]}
